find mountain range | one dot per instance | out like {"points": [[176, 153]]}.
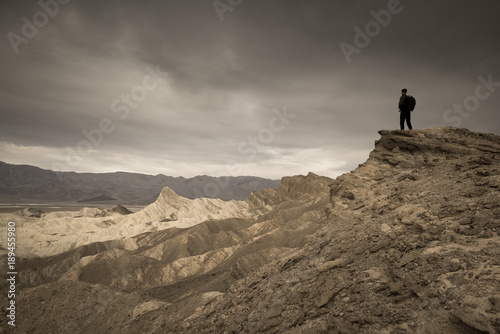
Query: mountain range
{"points": [[29, 184], [407, 243]]}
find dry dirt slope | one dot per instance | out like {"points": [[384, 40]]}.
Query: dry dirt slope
{"points": [[406, 243]]}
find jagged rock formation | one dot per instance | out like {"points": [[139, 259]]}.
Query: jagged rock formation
{"points": [[61, 231], [121, 210], [409, 242]]}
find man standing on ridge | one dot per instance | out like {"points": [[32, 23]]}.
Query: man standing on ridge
{"points": [[404, 110]]}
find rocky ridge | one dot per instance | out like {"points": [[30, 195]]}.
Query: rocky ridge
{"points": [[412, 246], [61, 231], [409, 242]]}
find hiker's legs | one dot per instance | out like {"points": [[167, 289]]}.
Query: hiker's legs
{"points": [[402, 120], [408, 120]]}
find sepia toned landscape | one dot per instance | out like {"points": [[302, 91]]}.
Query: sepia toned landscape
{"points": [[249, 166], [407, 242]]}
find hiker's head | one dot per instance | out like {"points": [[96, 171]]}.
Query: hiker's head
{"points": [[404, 91]]}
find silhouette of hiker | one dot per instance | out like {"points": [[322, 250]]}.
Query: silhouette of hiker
{"points": [[404, 110]]}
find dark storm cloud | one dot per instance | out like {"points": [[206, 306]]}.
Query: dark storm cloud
{"points": [[222, 81]]}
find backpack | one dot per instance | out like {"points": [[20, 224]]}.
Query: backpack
{"points": [[411, 102]]}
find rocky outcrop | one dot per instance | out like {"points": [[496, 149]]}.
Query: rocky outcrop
{"points": [[59, 232], [31, 212], [411, 246], [408, 242], [177, 211], [291, 188], [121, 210]]}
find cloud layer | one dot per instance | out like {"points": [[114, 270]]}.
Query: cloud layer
{"points": [[81, 94]]}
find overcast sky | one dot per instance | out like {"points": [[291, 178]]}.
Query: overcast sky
{"points": [[251, 87]]}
